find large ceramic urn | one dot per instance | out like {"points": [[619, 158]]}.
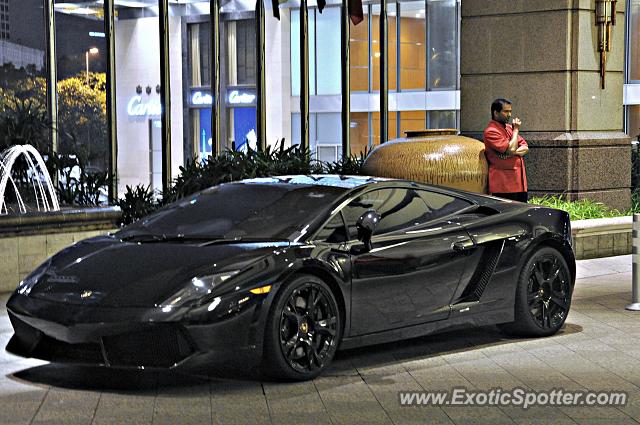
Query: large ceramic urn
{"points": [[438, 157]]}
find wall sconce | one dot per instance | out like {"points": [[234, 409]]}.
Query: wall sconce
{"points": [[605, 20]]}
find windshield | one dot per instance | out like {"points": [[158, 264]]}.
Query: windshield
{"points": [[240, 211]]}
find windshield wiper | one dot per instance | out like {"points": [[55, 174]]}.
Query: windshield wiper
{"points": [[202, 239], [155, 238], [240, 239]]}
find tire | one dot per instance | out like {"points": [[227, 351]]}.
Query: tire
{"points": [[543, 295], [303, 330]]}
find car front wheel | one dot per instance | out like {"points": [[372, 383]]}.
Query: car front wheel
{"points": [[543, 295], [303, 330]]}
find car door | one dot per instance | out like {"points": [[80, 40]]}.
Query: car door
{"points": [[412, 271]]}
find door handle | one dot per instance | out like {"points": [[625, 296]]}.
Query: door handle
{"points": [[464, 245]]}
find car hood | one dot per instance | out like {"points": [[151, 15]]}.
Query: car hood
{"points": [[108, 272]]}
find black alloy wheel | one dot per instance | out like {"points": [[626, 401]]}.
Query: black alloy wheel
{"points": [[548, 293], [543, 296], [303, 330]]}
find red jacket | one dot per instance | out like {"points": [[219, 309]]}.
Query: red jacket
{"points": [[506, 172]]}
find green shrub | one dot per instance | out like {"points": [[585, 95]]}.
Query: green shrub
{"points": [[347, 165], [197, 175], [635, 201], [578, 210], [137, 203]]}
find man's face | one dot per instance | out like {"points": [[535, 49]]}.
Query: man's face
{"points": [[503, 116]]}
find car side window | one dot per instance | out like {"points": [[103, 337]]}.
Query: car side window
{"points": [[441, 205], [399, 209], [334, 231]]}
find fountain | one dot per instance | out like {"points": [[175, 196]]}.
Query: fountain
{"points": [[37, 171]]}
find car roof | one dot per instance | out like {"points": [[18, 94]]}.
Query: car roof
{"points": [[334, 180]]}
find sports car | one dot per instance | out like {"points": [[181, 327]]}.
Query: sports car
{"points": [[277, 274]]}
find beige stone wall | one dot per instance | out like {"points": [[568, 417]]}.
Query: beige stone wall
{"points": [[19, 255]]}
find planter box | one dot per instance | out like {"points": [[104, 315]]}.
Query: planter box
{"points": [[27, 240], [602, 237]]}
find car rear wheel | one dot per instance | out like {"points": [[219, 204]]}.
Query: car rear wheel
{"points": [[303, 330], [543, 295]]}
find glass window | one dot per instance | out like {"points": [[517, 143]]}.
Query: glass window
{"points": [[391, 128], [329, 128], [328, 56], [246, 51], [359, 132], [413, 38], [359, 55], [441, 205], [242, 128], [391, 46], [312, 51], [633, 122], [295, 52], [325, 134], [81, 85], [441, 119], [295, 129], [241, 52], [443, 44], [201, 132], [200, 59], [334, 231], [411, 121], [634, 40], [399, 209]]}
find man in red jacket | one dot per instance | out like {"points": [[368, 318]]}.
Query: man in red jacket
{"points": [[505, 149]]}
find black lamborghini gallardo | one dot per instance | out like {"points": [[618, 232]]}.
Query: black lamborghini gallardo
{"points": [[281, 272]]}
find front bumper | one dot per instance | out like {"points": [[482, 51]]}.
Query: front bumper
{"points": [[133, 337]]}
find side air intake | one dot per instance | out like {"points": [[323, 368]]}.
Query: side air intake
{"points": [[483, 273]]}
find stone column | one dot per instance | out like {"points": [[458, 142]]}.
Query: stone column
{"points": [[542, 55]]}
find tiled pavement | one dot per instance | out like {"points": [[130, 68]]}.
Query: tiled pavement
{"points": [[599, 349]]}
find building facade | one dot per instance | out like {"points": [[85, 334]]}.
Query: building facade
{"points": [[5, 30], [424, 91], [443, 70]]}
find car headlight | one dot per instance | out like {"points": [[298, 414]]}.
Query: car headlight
{"points": [[197, 288], [26, 285]]}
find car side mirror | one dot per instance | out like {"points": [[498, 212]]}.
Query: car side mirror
{"points": [[366, 225]]}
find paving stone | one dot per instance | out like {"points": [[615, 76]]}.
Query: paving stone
{"points": [[604, 421], [19, 406], [468, 415], [238, 402], [440, 377], [62, 406], [486, 374], [126, 409], [537, 413], [293, 403], [545, 421], [348, 400], [190, 404], [580, 413]]}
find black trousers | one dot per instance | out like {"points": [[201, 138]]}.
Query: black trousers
{"points": [[514, 196]]}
